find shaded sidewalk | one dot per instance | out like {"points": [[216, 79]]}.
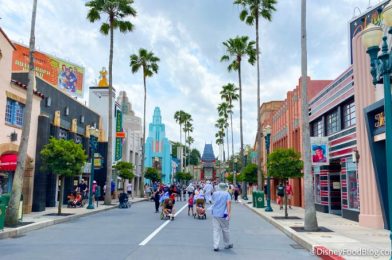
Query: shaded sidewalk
{"points": [[348, 240], [38, 220]]}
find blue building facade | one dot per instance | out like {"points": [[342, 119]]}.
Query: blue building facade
{"points": [[158, 148]]}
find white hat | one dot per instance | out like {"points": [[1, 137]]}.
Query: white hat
{"points": [[222, 186]]}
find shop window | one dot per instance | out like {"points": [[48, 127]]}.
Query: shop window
{"points": [[318, 128], [317, 186], [349, 118], [14, 113], [352, 184], [332, 122]]}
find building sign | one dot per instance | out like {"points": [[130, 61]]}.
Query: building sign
{"points": [[97, 161], [372, 15], [319, 151], [118, 150], [379, 120], [58, 73]]}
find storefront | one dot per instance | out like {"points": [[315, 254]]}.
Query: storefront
{"points": [[7, 169]]}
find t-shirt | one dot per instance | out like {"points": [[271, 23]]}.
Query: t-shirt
{"points": [[82, 187], [220, 199], [129, 187], [289, 189], [280, 191]]}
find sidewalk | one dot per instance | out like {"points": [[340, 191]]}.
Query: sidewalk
{"points": [[38, 220], [347, 241]]}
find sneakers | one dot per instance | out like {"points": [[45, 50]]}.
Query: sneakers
{"points": [[216, 249], [229, 246]]}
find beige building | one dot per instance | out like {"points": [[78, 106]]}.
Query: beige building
{"points": [[12, 102]]}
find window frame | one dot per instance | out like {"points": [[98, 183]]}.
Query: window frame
{"points": [[349, 117], [14, 114], [332, 122]]}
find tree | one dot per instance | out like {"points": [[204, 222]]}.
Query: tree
{"points": [[188, 128], [229, 93], [251, 13], [249, 173], [284, 164], [63, 158], [125, 171], [223, 112], [179, 116], [13, 206], [221, 124], [117, 12], [146, 61], [194, 157], [310, 220], [152, 174]]}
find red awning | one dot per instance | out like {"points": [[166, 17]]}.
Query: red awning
{"points": [[8, 162]]}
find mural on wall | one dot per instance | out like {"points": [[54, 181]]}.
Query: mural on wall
{"points": [[58, 73]]}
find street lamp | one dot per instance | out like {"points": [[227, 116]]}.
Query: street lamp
{"points": [[267, 136], [381, 68], [94, 133], [245, 193]]}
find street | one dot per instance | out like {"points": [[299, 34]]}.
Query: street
{"points": [[129, 234]]}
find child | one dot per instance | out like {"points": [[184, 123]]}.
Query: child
{"points": [[190, 203]]}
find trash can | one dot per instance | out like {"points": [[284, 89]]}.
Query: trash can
{"points": [[259, 198], [254, 198], [5, 199], [2, 215]]}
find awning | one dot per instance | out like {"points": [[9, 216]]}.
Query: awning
{"points": [[8, 162]]}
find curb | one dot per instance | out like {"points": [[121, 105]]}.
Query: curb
{"points": [[39, 225], [318, 250]]}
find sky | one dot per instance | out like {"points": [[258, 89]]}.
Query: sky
{"points": [[187, 36]]}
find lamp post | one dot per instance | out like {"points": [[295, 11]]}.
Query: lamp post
{"points": [[245, 190], [267, 136], [381, 68], [94, 133]]}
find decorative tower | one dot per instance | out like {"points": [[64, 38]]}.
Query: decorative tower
{"points": [[208, 171], [158, 148]]}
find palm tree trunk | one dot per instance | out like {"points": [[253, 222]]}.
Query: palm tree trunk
{"points": [[310, 209], [108, 194], [232, 146], [61, 195], [260, 176], [227, 140], [181, 153], [141, 186], [241, 131], [13, 206]]}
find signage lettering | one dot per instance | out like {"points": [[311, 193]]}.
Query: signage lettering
{"points": [[379, 120]]}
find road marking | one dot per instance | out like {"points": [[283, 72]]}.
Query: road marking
{"points": [[156, 231]]}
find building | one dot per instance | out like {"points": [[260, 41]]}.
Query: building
{"points": [[158, 148], [332, 114], [287, 130], [12, 100], [208, 167], [132, 144]]}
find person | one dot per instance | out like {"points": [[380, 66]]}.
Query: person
{"points": [[82, 188], [208, 189], [289, 193], [190, 204], [129, 189], [112, 188], [236, 193], [148, 191], [71, 197], [221, 212], [280, 193], [190, 189], [94, 188], [319, 154], [231, 191], [168, 209], [156, 200]]}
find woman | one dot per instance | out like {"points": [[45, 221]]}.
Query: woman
{"points": [[280, 193]]}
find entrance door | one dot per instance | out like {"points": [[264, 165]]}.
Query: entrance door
{"points": [[335, 199]]}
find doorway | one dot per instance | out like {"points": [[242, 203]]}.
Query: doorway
{"points": [[335, 197]]}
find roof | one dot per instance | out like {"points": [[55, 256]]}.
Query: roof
{"points": [[8, 39], [20, 84], [208, 153]]}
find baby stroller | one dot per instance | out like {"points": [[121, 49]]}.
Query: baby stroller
{"points": [[200, 209], [124, 202], [75, 200], [167, 209]]}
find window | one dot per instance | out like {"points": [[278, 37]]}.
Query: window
{"points": [[14, 113], [318, 128], [349, 118], [332, 122], [352, 184]]}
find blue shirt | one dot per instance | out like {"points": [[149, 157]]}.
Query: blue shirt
{"points": [[220, 199]]}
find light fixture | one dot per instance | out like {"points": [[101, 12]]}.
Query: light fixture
{"points": [[48, 101], [387, 14], [372, 36], [267, 130], [94, 132], [67, 111]]}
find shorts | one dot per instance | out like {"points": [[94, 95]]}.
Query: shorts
{"points": [[190, 206], [129, 192]]}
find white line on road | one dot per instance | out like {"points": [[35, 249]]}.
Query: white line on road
{"points": [[156, 231]]}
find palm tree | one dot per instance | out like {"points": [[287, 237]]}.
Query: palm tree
{"points": [[221, 125], [252, 11], [117, 12], [310, 221], [223, 112], [238, 48], [179, 116], [188, 128], [149, 64], [229, 93], [14, 203], [189, 141]]}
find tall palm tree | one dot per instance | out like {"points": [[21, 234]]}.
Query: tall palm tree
{"points": [[189, 141], [223, 112], [310, 209], [148, 62], [117, 12], [229, 93], [238, 48], [179, 116], [221, 125], [251, 13], [14, 203], [188, 128]]}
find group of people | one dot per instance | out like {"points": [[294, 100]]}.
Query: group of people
{"points": [[281, 192]]}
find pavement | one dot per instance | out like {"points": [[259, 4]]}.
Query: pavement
{"points": [[139, 233], [38, 220], [348, 240]]}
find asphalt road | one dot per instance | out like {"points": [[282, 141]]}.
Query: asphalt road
{"points": [[119, 233]]}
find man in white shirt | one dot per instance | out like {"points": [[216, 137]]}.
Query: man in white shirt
{"points": [[129, 189]]}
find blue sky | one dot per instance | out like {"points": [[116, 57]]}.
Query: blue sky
{"points": [[187, 35]]}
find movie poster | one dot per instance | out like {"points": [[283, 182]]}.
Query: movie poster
{"points": [[59, 73], [319, 151]]}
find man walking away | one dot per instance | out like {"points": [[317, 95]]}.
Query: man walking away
{"points": [[157, 197], [129, 189], [221, 210]]}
